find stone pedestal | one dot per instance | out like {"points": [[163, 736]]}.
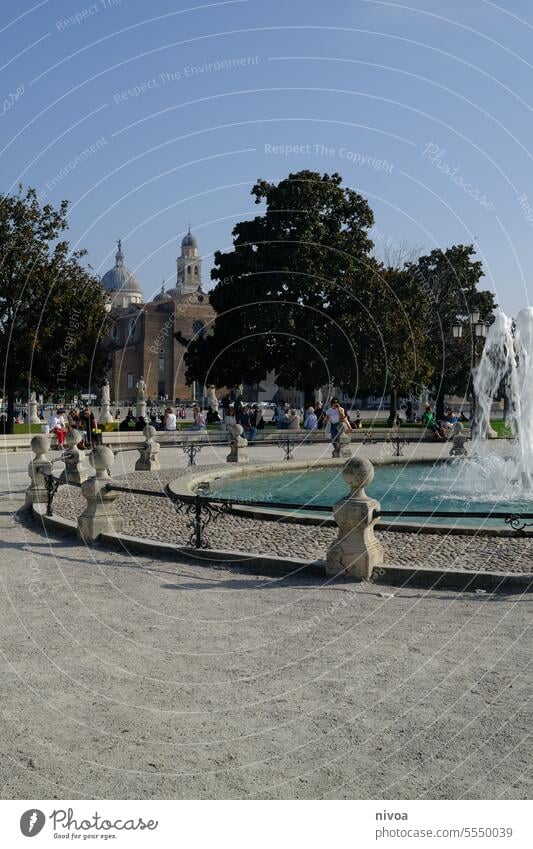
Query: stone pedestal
{"points": [[39, 466], [149, 452], [140, 409], [99, 515], [106, 416], [75, 471], [356, 552], [238, 445], [32, 410]]}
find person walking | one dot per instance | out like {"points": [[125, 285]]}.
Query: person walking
{"points": [[333, 417]]}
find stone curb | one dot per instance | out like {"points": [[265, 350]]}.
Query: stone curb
{"points": [[404, 576]]}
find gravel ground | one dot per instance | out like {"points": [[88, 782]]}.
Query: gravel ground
{"points": [[157, 519], [128, 677]]}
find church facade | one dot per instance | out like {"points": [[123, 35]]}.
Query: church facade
{"points": [[142, 340]]}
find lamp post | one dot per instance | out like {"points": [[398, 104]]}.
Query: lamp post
{"points": [[479, 331]]}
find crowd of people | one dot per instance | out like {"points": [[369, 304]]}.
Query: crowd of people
{"points": [[251, 416]]}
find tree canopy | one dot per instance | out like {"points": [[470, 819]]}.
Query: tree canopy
{"points": [[449, 280], [52, 310], [301, 294]]}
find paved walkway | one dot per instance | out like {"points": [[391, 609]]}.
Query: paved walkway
{"points": [[126, 677]]}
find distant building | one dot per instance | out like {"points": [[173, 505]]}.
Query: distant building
{"points": [[142, 341]]}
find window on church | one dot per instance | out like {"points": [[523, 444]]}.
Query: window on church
{"points": [[131, 326], [198, 328], [189, 270], [130, 380], [196, 271], [161, 364]]}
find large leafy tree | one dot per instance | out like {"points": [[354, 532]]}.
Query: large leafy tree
{"points": [[395, 358], [52, 311], [450, 279], [293, 294], [300, 294]]}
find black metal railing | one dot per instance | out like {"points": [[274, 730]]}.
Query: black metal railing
{"points": [[51, 484], [200, 509], [516, 521]]}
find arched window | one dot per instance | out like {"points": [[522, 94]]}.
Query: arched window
{"points": [[131, 327], [196, 271], [198, 327], [189, 270]]}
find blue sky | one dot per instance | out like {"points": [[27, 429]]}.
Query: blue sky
{"points": [[424, 107]]}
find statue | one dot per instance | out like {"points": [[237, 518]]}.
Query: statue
{"points": [[141, 390], [212, 400], [140, 405], [105, 415], [33, 418]]}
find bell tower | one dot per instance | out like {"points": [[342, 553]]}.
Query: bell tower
{"points": [[189, 278]]}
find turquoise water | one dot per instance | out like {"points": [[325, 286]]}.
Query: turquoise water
{"points": [[415, 486]]}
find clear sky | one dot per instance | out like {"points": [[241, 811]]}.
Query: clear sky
{"points": [[148, 115]]}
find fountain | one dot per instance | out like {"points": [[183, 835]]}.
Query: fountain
{"points": [[506, 364]]}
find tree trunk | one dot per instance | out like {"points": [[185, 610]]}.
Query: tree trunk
{"points": [[393, 407], [10, 410], [439, 404], [309, 396]]}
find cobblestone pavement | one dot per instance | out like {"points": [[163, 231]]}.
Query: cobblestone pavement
{"points": [[157, 519]]}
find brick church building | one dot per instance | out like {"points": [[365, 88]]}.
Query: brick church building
{"points": [[142, 341]]}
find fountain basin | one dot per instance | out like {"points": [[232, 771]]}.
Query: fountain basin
{"points": [[398, 485]]}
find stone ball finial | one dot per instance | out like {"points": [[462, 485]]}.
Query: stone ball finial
{"points": [[102, 458], [73, 437], [40, 444], [149, 431], [358, 472]]}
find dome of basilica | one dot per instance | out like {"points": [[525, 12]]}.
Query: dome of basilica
{"points": [[119, 278]]}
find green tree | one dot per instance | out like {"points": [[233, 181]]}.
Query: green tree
{"points": [[450, 279], [52, 311], [396, 356], [283, 293], [300, 294]]}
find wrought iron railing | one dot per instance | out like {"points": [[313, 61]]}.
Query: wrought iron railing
{"points": [[516, 521]]}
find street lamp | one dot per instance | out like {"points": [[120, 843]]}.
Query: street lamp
{"points": [[479, 331]]}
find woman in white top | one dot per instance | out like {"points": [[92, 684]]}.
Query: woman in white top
{"points": [[170, 419], [56, 424]]}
